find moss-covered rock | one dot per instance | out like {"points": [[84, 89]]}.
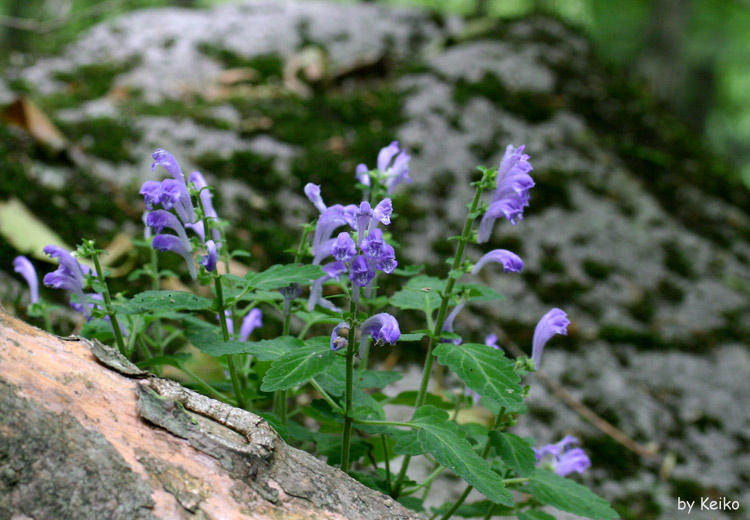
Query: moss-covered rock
{"points": [[633, 229]]}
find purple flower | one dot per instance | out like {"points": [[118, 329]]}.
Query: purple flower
{"points": [[313, 193], [383, 328], [387, 261], [563, 459], [206, 201], [151, 191], [511, 262], [343, 248], [340, 341], [68, 276], [333, 270], [491, 341], [209, 261], [363, 216], [372, 245], [361, 174], [386, 155], [360, 273], [176, 245], [382, 212], [512, 192], [160, 219], [167, 160], [329, 220], [174, 194], [554, 322], [448, 324], [398, 171], [25, 268], [252, 321]]}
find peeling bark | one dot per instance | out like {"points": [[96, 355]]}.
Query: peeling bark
{"points": [[83, 434]]}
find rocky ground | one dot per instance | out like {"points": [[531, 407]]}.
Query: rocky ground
{"points": [[633, 229]]}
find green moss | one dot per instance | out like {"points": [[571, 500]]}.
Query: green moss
{"points": [[670, 291], [267, 66], [644, 308], [595, 269], [677, 261], [85, 83], [530, 106], [104, 137]]}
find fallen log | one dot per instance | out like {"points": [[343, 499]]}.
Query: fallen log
{"points": [[80, 439]]}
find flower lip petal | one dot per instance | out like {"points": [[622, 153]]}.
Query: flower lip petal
{"points": [[209, 261], [25, 268], [510, 261], [167, 160], [313, 193], [386, 155]]}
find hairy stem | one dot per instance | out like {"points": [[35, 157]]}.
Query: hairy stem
{"points": [[108, 304]]}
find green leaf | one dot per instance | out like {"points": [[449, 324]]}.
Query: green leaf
{"points": [[297, 367], [311, 318], [414, 336], [279, 276], [477, 293], [409, 270], [472, 510], [446, 442], [375, 378], [515, 452], [413, 503], [171, 300], [268, 349], [534, 515], [407, 442], [485, 370], [409, 397], [567, 495], [333, 380], [421, 294]]}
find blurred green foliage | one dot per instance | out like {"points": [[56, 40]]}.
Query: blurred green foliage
{"points": [[695, 54]]}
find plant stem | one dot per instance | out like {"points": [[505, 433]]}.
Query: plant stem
{"points": [[485, 452], [387, 423], [206, 387], [387, 459], [108, 304], [231, 361], [327, 398], [519, 480], [427, 482], [350, 350], [438, 328]]}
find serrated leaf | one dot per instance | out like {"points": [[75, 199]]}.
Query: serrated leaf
{"points": [[279, 276], [297, 367], [407, 442], [269, 349], [171, 300], [421, 294], [446, 442], [567, 495], [534, 515], [515, 452], [485, 370], [474, 292]]}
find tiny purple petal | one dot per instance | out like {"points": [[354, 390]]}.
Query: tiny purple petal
{"points": [[491, 341], [151, 191], [252, 321], [387, 261], [399, 172], [554, 322], [209, 261], [571, 461], [383, 328], [165, 159], [339, 342], [25, 268], [562, 458], [511, 262], [363, 216], [382, 212], [373, 244], [343, 248], [360, 273], [386, 155], [313, 193]]}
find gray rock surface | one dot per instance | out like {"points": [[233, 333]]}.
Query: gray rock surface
{"points": [[632, 229]]}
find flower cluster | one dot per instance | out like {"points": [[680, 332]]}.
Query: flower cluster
{"points": [[511, 193], [173, 194], [361, 258], [69, 275], [562, 458]]}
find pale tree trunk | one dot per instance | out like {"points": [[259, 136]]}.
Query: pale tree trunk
{"points": [[81, 440]]}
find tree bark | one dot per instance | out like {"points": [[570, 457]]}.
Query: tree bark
{"points": [[81, 440]]}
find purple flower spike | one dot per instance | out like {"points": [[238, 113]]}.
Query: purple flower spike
{"points": [[372, 245], [343, 248], [252, 321], [383, 328], [209, 261], [340, 341], [512, 192], [174, 244], [68, 276], [25, 268], [387, 261], [361, 174], [360, 272], [511, 262], [165, 159], [448, 324], [562, 458], [554, 322], [313, 193]]}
